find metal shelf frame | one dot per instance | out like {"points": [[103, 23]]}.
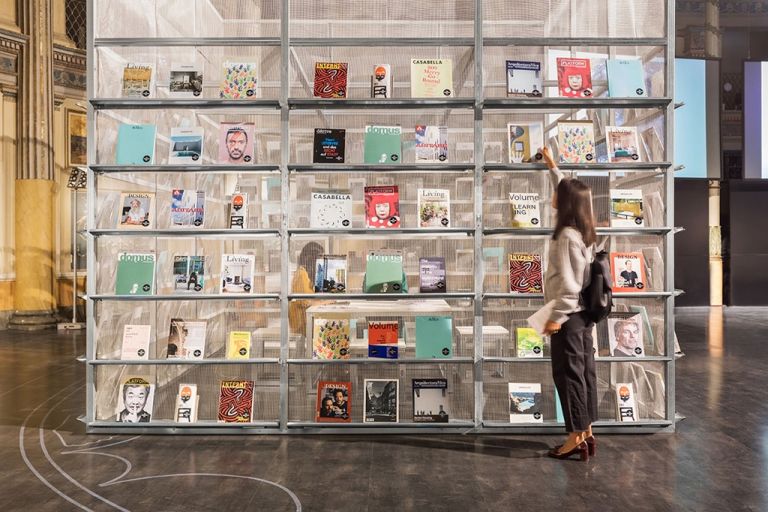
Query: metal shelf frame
{"points": [[284, 105]]}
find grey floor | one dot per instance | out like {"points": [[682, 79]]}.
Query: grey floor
{"points": [[717, 459]]}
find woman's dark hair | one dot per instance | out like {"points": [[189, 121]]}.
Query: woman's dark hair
{"points": [[574, 209], [307, 257]]}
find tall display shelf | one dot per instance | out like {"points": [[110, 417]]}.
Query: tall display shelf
{"points": [[285, 39]]}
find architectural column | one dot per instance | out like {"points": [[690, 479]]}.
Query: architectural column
{"points": [[34, 301]]}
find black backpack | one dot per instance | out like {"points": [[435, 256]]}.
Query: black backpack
{"points": [[597, 297]]}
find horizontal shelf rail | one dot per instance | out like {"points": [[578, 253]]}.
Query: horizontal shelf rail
{"points": [[623, 359], [190, 232], [183, 362], [174, 103], [385, 104], [574, 103], [362, 360], [574, 41], [191, 296], [618, 295], [374, 425], [382, 41], [208, 169], [380, 296], [615, 231], [206, 424], [400, 168], [383, 231], [609, 167], [154, 42]]}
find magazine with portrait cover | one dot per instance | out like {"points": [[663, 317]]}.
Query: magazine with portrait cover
{"points": [[330, 80], [431, 78], [138, 80], [135, 210], [625, 335], [434, 207], [236, 143], [576, 141], [525, 402], [330, 209], [381, 81], [135, 144], [381, 401], [626, 78], [382, 207], [187, 208], [627, 208], [525, 209], [239, 345], [382, 144], [238, 211], [628, 271], [186, 339], [431, 144], [574, 77], [524, 141], [625, 402], [528, 342], [525, 273], [186, 146], [432, 275], [188, 274], [135, 342], [186, 403], [328, 146], [331, 274], [135, 399], [430, 400], [237, 273], [330, 338], [382, 338], [186, 81], [524, 78], [334, 402], [135, 274], [622, 144], [239, 81], [235, 401]]}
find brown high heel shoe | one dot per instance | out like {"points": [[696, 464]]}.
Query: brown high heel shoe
{"points": [[591, 445], [581, 450]]}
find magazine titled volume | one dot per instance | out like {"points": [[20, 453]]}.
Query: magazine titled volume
{"points": [[626, 208], [238, 211], [382, 207], [434, 337], [574, 77], [525, 273], [330, 209], [525, 403], [239, 345], [138, 80], [622, 144], [434, 206], [186, 81], [524, 142], [382, 338], [239, 81], [136, 210], [135, 342], [135, 144], [186, 339], [333, 402], [186, 403], [381, 81], [430, 400], [576, 141], [432, 275], [330, 80], [525, 209], [235, 401], [431, 78], [524, 78], [135, 399], [331, 274], [625, 402], [625, 78], [382, 145], [187, 208], [625, 335], [186, 146], [330, 338], [328, 146], [236, 143], [529, 342], [381, 401], [237, 273], [135, 274], [628, 271], [431, 143], [188, 274]]}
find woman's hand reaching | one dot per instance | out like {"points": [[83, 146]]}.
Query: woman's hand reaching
{"points": [[546, 155], [551, 328]]}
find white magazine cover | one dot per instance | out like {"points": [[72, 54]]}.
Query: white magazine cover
{"points": [[237, 273], [187, 403], [135, 342], [135, 398], [525, 403]]}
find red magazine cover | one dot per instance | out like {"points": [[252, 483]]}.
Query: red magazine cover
{"points": [[525, 273], [382, 207], [574, 77], [333, 402], [330, 80], [628, 271], [383, 332], [236, 401]]}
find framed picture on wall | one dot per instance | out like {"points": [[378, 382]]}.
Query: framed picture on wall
{"points": [[77, 138]]}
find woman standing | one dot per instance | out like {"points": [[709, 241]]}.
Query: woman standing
{"points": [[571, 252]]}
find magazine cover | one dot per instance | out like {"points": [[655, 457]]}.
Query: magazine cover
{"points": [[625, 78], [135, 342], [135, 398], [625, 335], [430, 400], [384, 272], [186, 339], [333, 402], [331, 274], [434, 207], [524, 142], [137, 81], [574, 77], [381, 401], [627, 208], [187, 208], [186, 81], [236, 401], [432, 275], [381, 81], [135, 274], [186, 146], [135, 144], [649, 339], [330, 338], [330, 209], [625, 402], [525, 403], [328, 146], [136, 210], [237, 273], [330, 80], [431, 144], [239, 81], [186, 403], [622, 144], [239, 345], [434, 337], [236, 143], [576, 141], [524, 78], [238, 211], [529, 342], [525, 273], [382, 207], [525, 209], [382, 338], [431, 78], [382, 145], [188, 274], [628, 269]]}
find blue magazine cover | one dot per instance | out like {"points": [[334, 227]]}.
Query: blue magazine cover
{"points": [[135, 144], [625, 78], [434, 337]]}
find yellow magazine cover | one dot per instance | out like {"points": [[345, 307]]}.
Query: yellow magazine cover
{"points": [[239, 345]]}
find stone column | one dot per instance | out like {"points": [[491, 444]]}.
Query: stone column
{"points": [[34, 301]]}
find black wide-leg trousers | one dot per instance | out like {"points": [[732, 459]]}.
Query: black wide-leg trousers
{"points": [[573, 370]]}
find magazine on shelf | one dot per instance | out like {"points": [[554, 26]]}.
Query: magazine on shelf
{"points": [[431, 144], [381, 81], [135, 144], [434, 337], [135, 342], [331, 274], [330, 209], [186, 145], [239, 345], [524, 78], [434, 207], [186, 403], [525, 273], [135, 210], [237, 273], [525, 402], [430, 400], [187, 208], [330, 338], [384, 272], [328, 146], [525, 209], [239, 81], [574, 77], [432, 275], [381, 401], [382, 338], [382, 144], [330, 80], [186, 80], [576, 141], [188, 274], [625, 335], [528, 342], [382, 207], [186, 339], [236, 401], [627, 208], [524, 142], [334, 402], [628, 269], [135, 274], [625, 402], [236, 143], [625, 78], [649, 337], [622, 144], [138, 80], [238, 211], [431, 78], [135, 400]]}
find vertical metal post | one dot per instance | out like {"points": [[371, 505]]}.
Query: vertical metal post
{"points": [[479, 159], [90, 384]]}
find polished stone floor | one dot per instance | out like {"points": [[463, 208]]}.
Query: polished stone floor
{"points": [[717, 459]]}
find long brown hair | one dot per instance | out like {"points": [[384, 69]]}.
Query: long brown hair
{"points": [[574, 209]]}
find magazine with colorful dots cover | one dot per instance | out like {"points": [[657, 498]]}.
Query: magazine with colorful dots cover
{"points": [[239, 81], [576, 141], [330, 338]]}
